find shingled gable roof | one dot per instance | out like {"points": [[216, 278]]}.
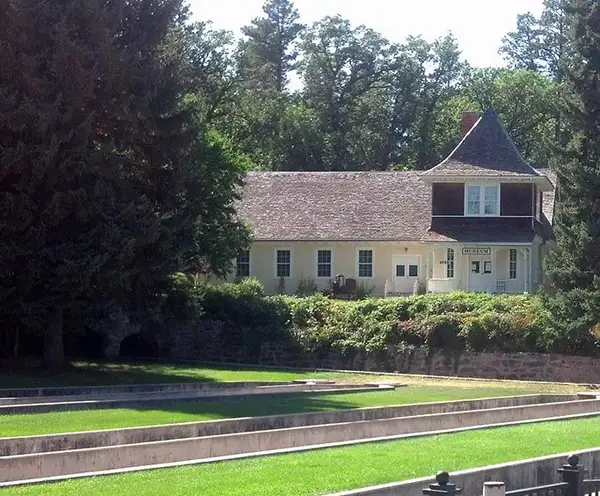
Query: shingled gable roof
{"points": [[336, 206], [358, 206], [486, 150]]}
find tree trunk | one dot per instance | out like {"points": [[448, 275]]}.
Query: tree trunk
{"points": [[16, 343], [54, 352]]}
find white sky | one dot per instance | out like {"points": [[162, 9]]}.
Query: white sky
{"points": [[479, 25]]}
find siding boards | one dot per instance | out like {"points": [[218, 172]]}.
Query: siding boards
{"points": [[448, 199], [516, 199]]}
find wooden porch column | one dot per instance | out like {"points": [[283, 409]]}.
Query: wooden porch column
{"points": [[494, 270], [527, 253]]}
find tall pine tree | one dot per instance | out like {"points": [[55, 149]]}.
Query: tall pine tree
{"points": [[101, 192], [574, 267], [269, 53]]}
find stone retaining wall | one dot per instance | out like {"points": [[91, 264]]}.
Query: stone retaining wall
{"points": [[523, 366]]}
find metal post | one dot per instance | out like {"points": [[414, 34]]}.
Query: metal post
{"points": [[572, 473], [442, 486], [494, 489]]}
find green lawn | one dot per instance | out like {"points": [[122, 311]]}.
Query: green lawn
{"points": [[59, 422], [321, 472]]}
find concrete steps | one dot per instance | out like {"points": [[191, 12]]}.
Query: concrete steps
{"points": [[93, 453], [114, 437]]}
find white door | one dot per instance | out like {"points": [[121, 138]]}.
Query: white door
{"points": [[407, 270], [480, 273]]}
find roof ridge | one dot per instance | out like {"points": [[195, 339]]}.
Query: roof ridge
{"points": [[457, 146], [333, 172]]}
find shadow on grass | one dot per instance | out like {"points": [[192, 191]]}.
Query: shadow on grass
{"points": [[95, 373], [247, 406], [202, 410]]}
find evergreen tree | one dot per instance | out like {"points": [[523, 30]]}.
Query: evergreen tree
{"points": [[540, 44], [574, 267], [99, 162], [269, 54]]}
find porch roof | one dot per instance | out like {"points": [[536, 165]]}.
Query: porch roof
{"points": [[477, 230]]}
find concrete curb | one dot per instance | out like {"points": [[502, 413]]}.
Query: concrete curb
{"points": [[45, 392], [143, 400], [35, 466], [200, 393]]}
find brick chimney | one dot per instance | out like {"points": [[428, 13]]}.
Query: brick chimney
{"points": [[467, 122]]}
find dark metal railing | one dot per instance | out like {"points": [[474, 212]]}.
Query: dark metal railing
{"points": [[591, 487], [573, 484], [559, 489]]}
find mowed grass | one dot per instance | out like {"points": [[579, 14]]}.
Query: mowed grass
{"points": [[337, 469], [73, 421]]}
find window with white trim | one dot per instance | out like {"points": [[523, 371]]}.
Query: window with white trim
{"points": [[491, 195], [365, 263], [450, 263], [284, 263], [482, 200], [413, 271], [512, 264], [324, 263], [243, 264]]}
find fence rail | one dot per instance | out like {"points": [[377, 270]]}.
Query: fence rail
{"points": [[591, 487], [573, 484], [559, 489]]}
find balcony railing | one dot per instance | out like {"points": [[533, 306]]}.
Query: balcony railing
{"points": [[442, 285]]}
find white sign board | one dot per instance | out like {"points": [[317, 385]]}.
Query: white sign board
{"points": [[476, 251]]}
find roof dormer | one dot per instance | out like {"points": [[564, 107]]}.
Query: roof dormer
{"points": [[486, 153]]}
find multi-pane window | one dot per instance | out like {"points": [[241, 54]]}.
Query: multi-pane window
{"points": [[365, 263], [400, 271], [284, 263], [487, 267], [450, 263], [243, 264], [413, 271], [512, 264], [473, 200], [324, 263], [490, 200], [483, 200]]}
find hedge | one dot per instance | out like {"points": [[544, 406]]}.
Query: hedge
{"points": [[317, 323]]}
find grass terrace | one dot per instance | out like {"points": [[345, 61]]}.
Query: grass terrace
{"points": [[420, 390], [325, 471], [73, 421]]}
